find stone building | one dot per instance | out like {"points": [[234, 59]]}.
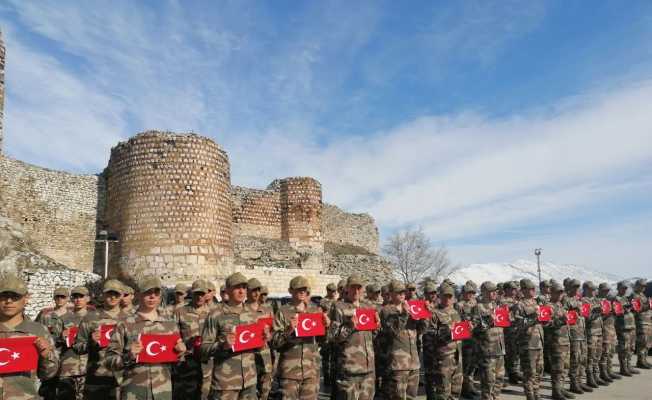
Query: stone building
{"points": [[168, 200]]}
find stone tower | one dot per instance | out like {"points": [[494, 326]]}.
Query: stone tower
{"points": [[169, 204], [2, 88]]}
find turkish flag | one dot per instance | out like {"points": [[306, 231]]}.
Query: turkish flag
{"points": [[544, 313], [158, 348], [461, 330], [636, 305], [105, 334], [266, 322], [365, 319], [501, 317], [618, 308], [586, 310], [247, 337], [571, 317], [18, 354], [310, 324], [72, 335], [606, 307], [418, 309]]}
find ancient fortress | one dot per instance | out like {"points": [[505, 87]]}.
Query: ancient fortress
{"points": [[168, 199]]}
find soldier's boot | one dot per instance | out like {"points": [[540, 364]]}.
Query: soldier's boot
{"points": [[604, 374], [567, 394], [622, 360], [641, 360], [575, 387], [598, 379], [529, 395], [584, 386], [630, 368], [590, 380], [610, 371], [468, 390]]}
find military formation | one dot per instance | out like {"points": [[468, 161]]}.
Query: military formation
{"points": [[376, 343]]}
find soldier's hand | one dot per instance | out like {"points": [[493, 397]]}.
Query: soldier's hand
{"points": [[327, 321], [180, 347], [230, 339], [267, 334], [96, 336], [294, 322], [65, 332], [136, 348], [405, 307], [43, 347]]}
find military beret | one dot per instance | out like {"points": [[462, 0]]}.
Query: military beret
{"points": [[488, 286], [236, 279], [12, 284], [253, 283], [63, 291], [83, 290], [300, 282], [396, 286]]}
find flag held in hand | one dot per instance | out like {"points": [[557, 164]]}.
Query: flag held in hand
{"points": [[72, 335], [618, 308], [158, 348], [501, 317], [586, 310], [310, 324], [606, 307], [105, 334], [248, 337], [544, 314], [636, 305], [418, 309], [266, 322], [571, 317], [365, 319], [18, 354], [461, 330]]}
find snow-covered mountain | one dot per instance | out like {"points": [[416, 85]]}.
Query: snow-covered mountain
{"points": [[501, 272]]}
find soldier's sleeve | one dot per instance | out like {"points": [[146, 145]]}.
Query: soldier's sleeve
{"points": [[341, 327], [213, 341], [48, 366], [84, 339], [118, 355], [39, 317], [393, 323], [281, 338], [57, 332]]}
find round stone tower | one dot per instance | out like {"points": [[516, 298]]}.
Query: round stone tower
{"points": [[168, 202]]}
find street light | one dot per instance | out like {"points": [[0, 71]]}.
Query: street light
{"points": [[537, 252], [104, 237]]}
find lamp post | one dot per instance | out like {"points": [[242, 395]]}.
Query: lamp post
{"points": [[104, 237], [537, 252]]}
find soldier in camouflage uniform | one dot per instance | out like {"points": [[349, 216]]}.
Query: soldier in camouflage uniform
{"points": [[72, 373], [440, 352], [264, 366], [464, 307], [101, 383], [298, 364], [142, 381], [608, 337], [191, 378], [593, 336], [428, 338], [625, 331], [234, 374], [326, 355], [577, 339], [13, 323], [512, 358], [559, 336], [401, 333], [410, 291], [180, 293], [380, 353], [385, 294], [542, 299], [127, 300], [354, 348], [491, 343], [530, 339], [373, 293], [643, 320]]}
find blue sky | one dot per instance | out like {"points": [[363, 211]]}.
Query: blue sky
{"points": [[496, 126]]}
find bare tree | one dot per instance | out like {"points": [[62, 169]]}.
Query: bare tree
{"points": [[414, 258]]}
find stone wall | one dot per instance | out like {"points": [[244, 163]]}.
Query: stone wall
{"points": [[2, 89], [373, 268], [256, 213], [56, 209], [345, 228], [169, 203]]}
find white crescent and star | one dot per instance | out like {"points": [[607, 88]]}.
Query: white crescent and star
{"points": [[108, 333], [150, 345], [414, 309], [307, 328], [14, 355], [458, 329], [249, 335], [364, 319]]}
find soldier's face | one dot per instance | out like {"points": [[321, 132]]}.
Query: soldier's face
{"points": [[529, 293], [11, 304], [409, 293], [180, 296], [237, 294], [199, 298], [492, 295], [262, 298], [545, 290], [354, 292], [150, 299], [373, 296], [431, 297], [112, 299], [446, 300], [79, 301], [300, 294], [469, 296], [127, 299], [60, 300], [398, 297], [208, 297], [253, 295]]}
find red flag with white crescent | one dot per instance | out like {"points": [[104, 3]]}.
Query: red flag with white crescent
{"points": [[636, 305], [501, 317], [461, 330], [248, 337], [618, 308], [365, 319], [418, 309], [544, 313], [18, 354], [571, 317], [105, 334], [310, 324], [266, 322], [606, 307], [72, 335], [158, 348], [586, 310]]}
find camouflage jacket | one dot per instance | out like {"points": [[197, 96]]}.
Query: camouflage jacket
{"points": [[354, 349], [577, 331], [298, 357], [512, 331], [594, 320], [464, 308], [72, 363], [644, 317], [140, 380], [49, 318], [231, 371], [326, 304], [170, 310], [608, 324], [437, 337], [191, 323], [625, 321], [490, 339], [264, 355], [22, 386], [530, 330], [543, 299], [557, 329], [85, 345], [400, 332]]}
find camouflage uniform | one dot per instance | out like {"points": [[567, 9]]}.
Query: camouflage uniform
{"points": [[355, 352], [72, 372], [441, 354], [264, 365], [188, 379], [625, 332], [577, 342], [298, 357], [643, 324], [469, 346], [593, 338], [326, 355], [491, 346], [512, 357], [608, 338], [530, 341], [559, 335], [22, 386], [543, 299], [403, 365]]}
